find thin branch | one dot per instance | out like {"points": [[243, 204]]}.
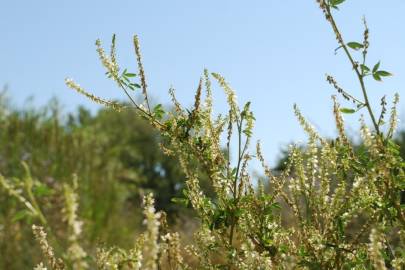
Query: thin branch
{"points": [[355, 67]]}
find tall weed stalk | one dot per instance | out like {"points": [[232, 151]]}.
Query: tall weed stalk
{"points": [[344, 203]]}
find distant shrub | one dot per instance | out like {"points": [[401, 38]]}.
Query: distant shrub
{"points": [[345, 204]]}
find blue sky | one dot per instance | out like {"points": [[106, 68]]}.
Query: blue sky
{"points": [[274, 53]]}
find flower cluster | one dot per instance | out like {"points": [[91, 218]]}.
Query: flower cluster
{"points": [[316, 214], [335, 206]]}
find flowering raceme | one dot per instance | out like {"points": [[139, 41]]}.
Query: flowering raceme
{"points": [[334, 194], [334, 206]]}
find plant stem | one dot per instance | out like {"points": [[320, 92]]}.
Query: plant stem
{"points": [[235, 181], [355, 67], [36, 206], [148, 113]]}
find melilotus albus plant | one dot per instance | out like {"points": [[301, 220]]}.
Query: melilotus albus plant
{"points": [[342, 202], [345, 202]]}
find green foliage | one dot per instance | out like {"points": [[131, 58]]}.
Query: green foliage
{"points": [[115, 157], [355, 45], [335, 3], [332, 207], [347, 110]]}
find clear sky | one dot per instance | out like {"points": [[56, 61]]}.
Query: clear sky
{"points": [[273, 52]]}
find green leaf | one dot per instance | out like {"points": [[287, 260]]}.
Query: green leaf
{"points": [[238, 212], [276, 205], [247, 132], [392, 145], [42, 190], [376, 66], [335, 3], [340, 227], [246, 107], [132, 86], [376, 77], [347, 110], [158, 111], [158, 107], [185, 193], [181, 201], [233, 172], [355, 45], [383, 73], [365, 69], [219, 219], [130, 75], [124, 83], [21, 215]]}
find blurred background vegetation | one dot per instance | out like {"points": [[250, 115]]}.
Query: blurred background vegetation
{"points": [[116, 158]]}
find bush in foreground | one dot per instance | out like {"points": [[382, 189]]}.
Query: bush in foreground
{"points": [[345, 204]]}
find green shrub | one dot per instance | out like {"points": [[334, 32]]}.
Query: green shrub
{"points": [[116, 159], [344, 204]]}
